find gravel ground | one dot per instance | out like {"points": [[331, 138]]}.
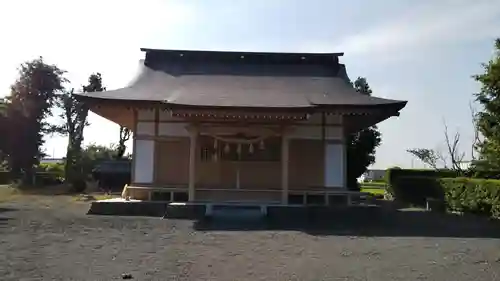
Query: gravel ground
{"points": [[60, 242]]}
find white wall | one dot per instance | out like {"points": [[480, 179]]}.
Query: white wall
{"points": [[145, 128], [144, 161], [146, 115], [335, 165], [173, 129]]}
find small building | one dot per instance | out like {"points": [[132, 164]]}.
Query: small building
{"points": [[52, 161], [237, 126], [374, 175]]}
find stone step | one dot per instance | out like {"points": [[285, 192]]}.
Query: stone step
{"points": [[235, 210]]}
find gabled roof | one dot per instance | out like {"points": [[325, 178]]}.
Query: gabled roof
{"points": [[243, 80]]}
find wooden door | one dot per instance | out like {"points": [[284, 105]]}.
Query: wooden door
{"points": [[172, 162]]}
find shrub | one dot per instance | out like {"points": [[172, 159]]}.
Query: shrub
{"points": [[5, 177], [477, 196], [78, 185], [47, 178], [42, 177], [54, 168], [394, 173], [397, 175], [388, 173], [415, 189]]}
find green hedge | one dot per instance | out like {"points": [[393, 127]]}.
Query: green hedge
{"points": [[477, 196], [53, 168], [394, 173], [415, 189], [48, 178], [41, 178], [395, 177]]}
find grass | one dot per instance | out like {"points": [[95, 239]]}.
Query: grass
{"points": [[374, 184], [7, 193], [374, 191], [374, 187], [92, 197]]}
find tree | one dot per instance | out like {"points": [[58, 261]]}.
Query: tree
{"points": [[3, 130], [95, 85], [361, 146], [74, 117], [453, 149], [488, 120], [124, 137], [435, 158], [92, 154], [427, 156], [32, 96]]}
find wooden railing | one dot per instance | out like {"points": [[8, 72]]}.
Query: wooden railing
{"points": [[309, 196]]}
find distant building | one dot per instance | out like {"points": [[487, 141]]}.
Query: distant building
{"points": [[464, 165], [373, 175], [51, 160]]}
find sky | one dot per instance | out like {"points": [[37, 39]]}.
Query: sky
{"points": [[423, 51]]}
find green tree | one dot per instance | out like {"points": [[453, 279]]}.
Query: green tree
{"points": [[124, 137], [31, 99], [123, 133], [426, 155], [488, 119], [74, 118], [92, 154], [361, 145], [4, 125]]}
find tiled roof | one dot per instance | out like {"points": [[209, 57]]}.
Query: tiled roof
{"points": [[250, 80]]}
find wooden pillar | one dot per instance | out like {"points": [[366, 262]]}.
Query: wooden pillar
{"points": [[344, 153], [344, 164], [193, 133], [284, 168], [134, 146]]}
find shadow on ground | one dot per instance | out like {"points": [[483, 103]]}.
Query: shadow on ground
{"points": [[365, 221], [5, 209], [52, 190], [3, 219]]}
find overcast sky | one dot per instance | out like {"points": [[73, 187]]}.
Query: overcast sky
{"points": [[421, 51]]}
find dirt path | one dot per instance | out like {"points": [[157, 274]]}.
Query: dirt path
{"points": [[58, 241]]}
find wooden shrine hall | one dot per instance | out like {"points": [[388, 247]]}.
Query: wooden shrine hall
{"points": [[239, 126]]}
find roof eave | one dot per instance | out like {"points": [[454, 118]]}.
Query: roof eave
{"points": [[395, 105]]}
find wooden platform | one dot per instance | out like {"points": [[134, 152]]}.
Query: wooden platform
{"points": [[200, 210], [308, 196]]}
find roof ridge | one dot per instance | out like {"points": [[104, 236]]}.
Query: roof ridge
{"points": [[237, 52]]}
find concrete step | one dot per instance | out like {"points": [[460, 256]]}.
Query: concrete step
{"points": [[235, 210]]}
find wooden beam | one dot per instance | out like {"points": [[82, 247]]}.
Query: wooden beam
{"points": [[248, 129], [344, 155], [134, 140], [156, 157]]}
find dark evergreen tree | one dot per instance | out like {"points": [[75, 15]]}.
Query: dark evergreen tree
{"points": [[32, 97], [74, 118], [361, 145], [488, 119]]}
